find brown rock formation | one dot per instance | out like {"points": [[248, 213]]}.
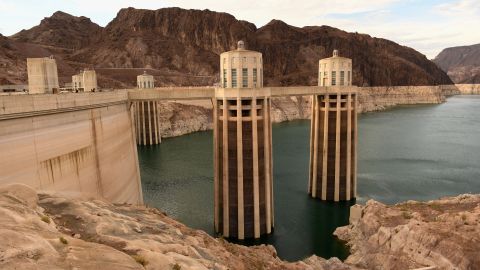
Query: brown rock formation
{"points": [[462, 64], [443, 233], [182, 46], [61, 30], [52, 232]]}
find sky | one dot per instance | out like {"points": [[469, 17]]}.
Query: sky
{"points": [[425, 25]]}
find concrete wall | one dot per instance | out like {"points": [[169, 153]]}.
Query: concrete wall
{"points": [[469, 89], [77, 143]]}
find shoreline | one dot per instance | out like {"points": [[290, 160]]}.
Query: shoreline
{"points": [[185, 117]]}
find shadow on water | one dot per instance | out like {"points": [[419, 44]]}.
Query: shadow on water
{"points": [[300, 234]]}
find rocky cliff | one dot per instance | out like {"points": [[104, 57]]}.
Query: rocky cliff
{"points": [[46, 231], [191, 40], [182, 47], [442, 233], [469, 89], [462, 64], [186, 117]]}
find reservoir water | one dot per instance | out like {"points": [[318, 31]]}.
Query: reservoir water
{"points": [[409, 152]]}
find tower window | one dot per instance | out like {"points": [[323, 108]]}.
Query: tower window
{"points": [[234, 78], [261, 77], [342, 77], [244, 77], [348, 78], [224, 78], [334, 78], [254, 77]]}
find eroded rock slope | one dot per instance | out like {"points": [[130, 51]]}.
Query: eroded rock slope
{"points": [[444, 233], [45, 231]]}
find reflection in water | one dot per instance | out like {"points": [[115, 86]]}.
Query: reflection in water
{"points": [[416, 152]]}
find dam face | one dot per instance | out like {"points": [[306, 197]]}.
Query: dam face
{"points": [[81, 144]]}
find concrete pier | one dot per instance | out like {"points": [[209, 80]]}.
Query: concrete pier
{"points": [[333, 146], [243, 163]]}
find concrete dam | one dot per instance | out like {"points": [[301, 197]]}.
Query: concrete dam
{"points": [[81, 144], [84, 144]]}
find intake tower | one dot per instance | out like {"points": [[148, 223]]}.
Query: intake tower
{"points": [[242, 147]]}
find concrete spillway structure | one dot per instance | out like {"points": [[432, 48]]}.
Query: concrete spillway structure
{"points": [[242, 148], [333, 134]]}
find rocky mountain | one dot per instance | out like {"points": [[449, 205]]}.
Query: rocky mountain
{"points": [[59, 35], [61, 30], [462, 64], [10, 67], [181, 47]]}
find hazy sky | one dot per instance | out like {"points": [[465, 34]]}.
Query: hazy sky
{"points": [[425, 25]]}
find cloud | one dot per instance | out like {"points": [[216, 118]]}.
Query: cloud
{"points": [[463, 7]]}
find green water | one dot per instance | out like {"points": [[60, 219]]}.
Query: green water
{"points": [[414, 152]]}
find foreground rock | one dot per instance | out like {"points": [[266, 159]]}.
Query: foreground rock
{"points": [[444, 233], [50, 232]]}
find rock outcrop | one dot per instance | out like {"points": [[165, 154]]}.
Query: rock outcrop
{"points": [[47, 231], [182, 47], [182, 118], [197, 116], [11, 70], [443, 233], [462, 63], [469, 89], [61, 30], [191, 40]]}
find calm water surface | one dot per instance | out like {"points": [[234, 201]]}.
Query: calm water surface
{"points": [[414, 152]]}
